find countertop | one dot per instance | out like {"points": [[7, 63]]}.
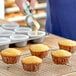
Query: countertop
{"points": [[48, 68]]}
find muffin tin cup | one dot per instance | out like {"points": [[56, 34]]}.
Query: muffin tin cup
{"points": [[19, 39], [6, 33], [11, 27], [23, 30], [37, 38], [60, 60], [21, 44], [4, 47], [4, 43], [31, 67]]}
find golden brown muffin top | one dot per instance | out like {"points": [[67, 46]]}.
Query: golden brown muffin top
{"points": [[10, 52], [67, 42], [39, 48], [31, 60], [61, 53]]}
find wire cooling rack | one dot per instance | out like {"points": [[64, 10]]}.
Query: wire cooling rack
{"points": [[48, 68]]}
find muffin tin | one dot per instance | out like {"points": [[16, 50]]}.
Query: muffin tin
{"points": [[19, 35]]}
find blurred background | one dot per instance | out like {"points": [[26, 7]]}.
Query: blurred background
{"points": [[12, 12]]}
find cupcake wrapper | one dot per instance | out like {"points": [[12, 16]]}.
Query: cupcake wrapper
{"points": [[31, 67], [71, 49], [60, 60], [40, 54], [10, 60]]}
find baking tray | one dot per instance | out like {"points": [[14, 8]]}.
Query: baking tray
{"points": [[48, 68], [4, 28]]}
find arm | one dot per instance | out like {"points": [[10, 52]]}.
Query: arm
{"points": [[20, 3], [28, 19]]}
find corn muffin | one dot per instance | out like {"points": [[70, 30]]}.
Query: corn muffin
{"points": [[68, 45], [31, 63], [61, 56], [10, 56], [39, 50]]}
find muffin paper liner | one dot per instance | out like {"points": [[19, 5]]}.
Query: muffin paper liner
{"points": [[71, 49], [31, 67], [60, 60], [40, 54], [10, 59]]}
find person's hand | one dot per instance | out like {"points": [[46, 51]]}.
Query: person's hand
{"points": [[20, 3]]}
